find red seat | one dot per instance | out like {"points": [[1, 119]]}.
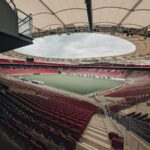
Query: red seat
{"points": [[29, 135], [56, 137], [69, 143], [117, 143], [75, 134], [42, 144], [112, 135], [24, 140], [35, 146]]}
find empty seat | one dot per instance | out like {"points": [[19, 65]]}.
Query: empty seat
{"points": [[42, 144], [117, 143]]}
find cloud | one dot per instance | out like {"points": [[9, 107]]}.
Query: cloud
{"points": [[80, 45]]}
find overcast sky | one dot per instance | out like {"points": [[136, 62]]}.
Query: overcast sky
{"points": [[80, 45]]}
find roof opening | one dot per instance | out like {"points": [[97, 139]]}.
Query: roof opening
{"points": [[79, 45]]}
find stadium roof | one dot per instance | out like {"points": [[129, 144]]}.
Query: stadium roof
{"points": [[55, 14]]}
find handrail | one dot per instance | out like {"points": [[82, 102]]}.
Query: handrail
{"points": [[139, 127], [11, 2], [24, 13], [24, 23], [24, 20]]}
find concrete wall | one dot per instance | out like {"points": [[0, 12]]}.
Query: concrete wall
{"points": [[8, 19]]}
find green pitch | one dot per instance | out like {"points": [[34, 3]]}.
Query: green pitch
{"points": [[75, 84]]}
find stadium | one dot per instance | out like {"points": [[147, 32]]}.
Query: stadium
{"points": [[75, 75]]}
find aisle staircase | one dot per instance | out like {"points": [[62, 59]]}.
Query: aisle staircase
{"points": [[95, 136]]}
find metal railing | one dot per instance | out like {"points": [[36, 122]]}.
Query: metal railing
{"points": [[139, 127], [12, 5], [24, 20], [24, 23]]}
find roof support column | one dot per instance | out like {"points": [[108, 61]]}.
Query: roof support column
{"points": [[89, 14]]}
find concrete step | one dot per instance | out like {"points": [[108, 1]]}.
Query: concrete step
{"points": [[98, 124], [98, 128], [98, 136], [97, 131], [85, 146], [95, 143], [97, 120]]}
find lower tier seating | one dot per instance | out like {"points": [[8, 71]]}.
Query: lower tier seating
{"points": [[24, 116]]}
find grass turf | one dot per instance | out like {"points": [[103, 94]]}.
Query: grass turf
{"points": [[79, 85]]}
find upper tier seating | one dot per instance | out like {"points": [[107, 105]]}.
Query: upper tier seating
{"points": [[116, 73], [15, 69]]}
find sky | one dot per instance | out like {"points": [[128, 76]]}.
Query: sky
{"points": [[78, 45]]}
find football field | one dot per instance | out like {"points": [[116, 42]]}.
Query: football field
{"points": [[75, 84]]}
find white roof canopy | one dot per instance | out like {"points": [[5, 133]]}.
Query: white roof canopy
{"points": [[52, 14]]}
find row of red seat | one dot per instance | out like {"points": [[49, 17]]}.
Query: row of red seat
{"points": [[116, 141], [41, 128], [23, 62], [22, 137], [111, 65], [8, 66], [78, 120], [135, 89], [49, 94], [62, 121], [116, 73], [129, 102], [139, 116], [27, 71]]}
